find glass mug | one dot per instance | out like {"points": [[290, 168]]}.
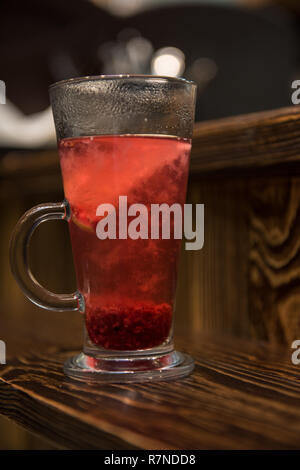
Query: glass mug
{"points": [[122, 140]]}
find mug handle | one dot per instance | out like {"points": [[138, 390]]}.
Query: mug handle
{"points": [[19, 254]]}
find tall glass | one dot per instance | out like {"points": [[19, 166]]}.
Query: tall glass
{"points": [[124, 145]]}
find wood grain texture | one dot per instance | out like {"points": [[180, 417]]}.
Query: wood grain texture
{"points": [[212, 291], [246, 280], [241, 396], [274, 258], [255, 140], [249, 141]]}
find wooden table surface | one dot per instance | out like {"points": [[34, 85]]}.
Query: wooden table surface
{"points": [[242, 395]]}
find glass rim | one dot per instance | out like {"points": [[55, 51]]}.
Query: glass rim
{"points": [[146, 77]]}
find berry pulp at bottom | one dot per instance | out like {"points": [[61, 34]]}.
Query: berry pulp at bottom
{"points": [[128, 285]]}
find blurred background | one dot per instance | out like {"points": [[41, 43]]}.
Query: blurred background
{"points": [[243, 54]]}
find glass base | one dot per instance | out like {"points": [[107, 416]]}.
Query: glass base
{"points": [[171, 366]]}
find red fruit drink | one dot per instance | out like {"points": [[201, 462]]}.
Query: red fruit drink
{"points": [[128, 285]]}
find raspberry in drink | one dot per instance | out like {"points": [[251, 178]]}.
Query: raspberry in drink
{"points": [[128, 285]]}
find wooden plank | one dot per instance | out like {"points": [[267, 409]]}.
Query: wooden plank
{"points": [[250, 141], [274, 255], [242, 396], [255, 140], [246, 280], [212, 290]]}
